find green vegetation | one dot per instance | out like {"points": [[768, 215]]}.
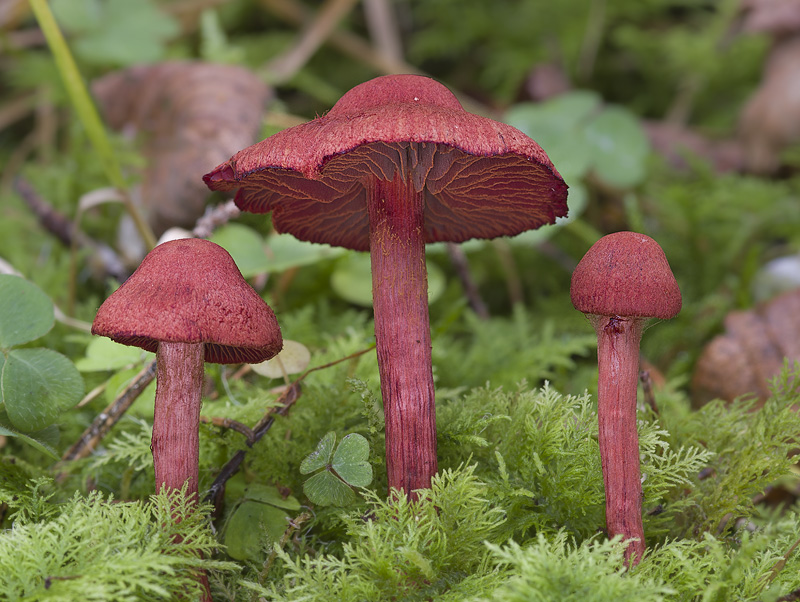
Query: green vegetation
{"points": [[516, 511]]}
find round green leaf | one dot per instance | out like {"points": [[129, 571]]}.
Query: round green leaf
{"points": [[619, 147], [37, 385], [352, 280], [103, 354], [558, 126], [326, 489], [286, 252], [245, 246], [26, 313], [251, 524], [321, 457], [40, 440], [350, 461], [269, 494]]}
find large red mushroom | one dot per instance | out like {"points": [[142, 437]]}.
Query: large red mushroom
{"points": [[622, 282], [395, 164]]}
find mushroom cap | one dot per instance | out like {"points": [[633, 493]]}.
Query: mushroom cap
{"points": [[625, 274], [190, 291], [479, 178]]}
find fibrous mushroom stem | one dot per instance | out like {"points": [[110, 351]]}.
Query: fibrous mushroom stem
{"points": [[402, 332], [176, 440], [618, 370]]}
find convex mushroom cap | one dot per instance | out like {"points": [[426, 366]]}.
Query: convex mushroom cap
{"points": [[190, 291], [625, 274], [480, 178]]}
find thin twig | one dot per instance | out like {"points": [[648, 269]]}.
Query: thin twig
{"points": [[346, 42], [461, 264], [285, 66], [65, 231], [104, 421], [383, 30], [285, 402], [231, 424], [647, 388], [214, 217]]}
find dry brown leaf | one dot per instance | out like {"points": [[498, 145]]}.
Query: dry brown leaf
{"points": [[190, 117], [771, 16], [750, 352]]}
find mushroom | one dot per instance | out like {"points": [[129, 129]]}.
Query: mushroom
{"points": [[621, 282], [188, 303], [395, 164]]}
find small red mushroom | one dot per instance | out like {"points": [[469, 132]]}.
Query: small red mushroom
{"points": [[188, 303], [395, 164], [621, 282]]}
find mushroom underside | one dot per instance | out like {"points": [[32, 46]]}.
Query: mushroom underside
{"points": [[465, 196]]}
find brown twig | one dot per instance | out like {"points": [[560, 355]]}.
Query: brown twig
{"points": [[647, 388], [347, 43], [104, 421], [231, 424], [214, 217], [64, 229], [285, 66], [461, 264], [287, 399], [383, 31]]}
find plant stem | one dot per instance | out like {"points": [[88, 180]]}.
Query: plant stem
{"points": [[87, 113], [176, 435], [618, 375], [402, 332]]}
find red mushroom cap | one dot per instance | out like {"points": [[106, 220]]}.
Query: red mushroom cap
{"points": [[190, 291], [481, 178], [625, 274]]}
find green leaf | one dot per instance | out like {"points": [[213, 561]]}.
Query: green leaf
{"points": [[350, 461], [352, 280], [26, 313], [321, 457], [250, 525], [346, 467], [620, 147], [116, 32], [286, 252], [103, 354], [245, 245], [326, 489], [558, 126], [41, 445], [37, 385], [268, 494]]}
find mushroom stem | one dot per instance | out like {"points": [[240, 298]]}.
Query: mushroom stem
{"points": [[402, 332], [176, 439], [618, 371]]}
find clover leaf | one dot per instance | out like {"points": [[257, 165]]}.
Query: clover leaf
{"points": [[339, 470]]}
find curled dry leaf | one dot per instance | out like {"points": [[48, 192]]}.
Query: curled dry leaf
{"points": [[770, 121], [771, 16], [190, 116], [751, 351]]}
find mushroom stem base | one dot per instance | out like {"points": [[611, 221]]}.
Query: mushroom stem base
{"points": [[402, 332], [618, 375]]}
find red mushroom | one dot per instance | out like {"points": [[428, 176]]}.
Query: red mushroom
{"points": [[621, 282], [188, 303], [395, 164]]}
